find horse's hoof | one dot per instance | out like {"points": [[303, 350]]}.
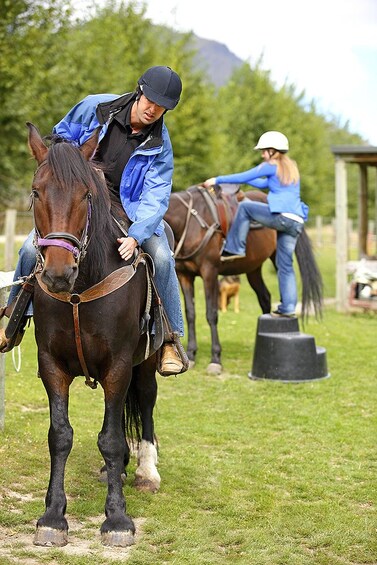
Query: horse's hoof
{"points": [[191, 364], [146, 485], [214, 369], [118, 539], [50, 537]]}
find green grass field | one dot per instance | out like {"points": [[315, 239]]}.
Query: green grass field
{"points": [[253, 472]]}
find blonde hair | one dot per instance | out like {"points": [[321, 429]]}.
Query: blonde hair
{"points": [[287, 170]]}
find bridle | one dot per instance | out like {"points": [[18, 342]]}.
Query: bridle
{"points": [[77, 247]]}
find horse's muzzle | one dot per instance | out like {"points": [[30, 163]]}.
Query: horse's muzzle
{"points": [[60, 282]]}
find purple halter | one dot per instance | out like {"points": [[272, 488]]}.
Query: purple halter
{"points": [[78, 249], [51, 240]]}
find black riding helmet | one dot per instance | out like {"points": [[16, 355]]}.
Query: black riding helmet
{"points": [[162, 86]]}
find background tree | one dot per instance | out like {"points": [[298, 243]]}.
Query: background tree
{"points": [[27, 32], [68, 59], [51, 59]]}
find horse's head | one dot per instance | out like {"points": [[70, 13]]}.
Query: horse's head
{"points": [[62, 191]]}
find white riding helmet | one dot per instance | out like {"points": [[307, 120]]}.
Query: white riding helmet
{"points": [[273, 140]]}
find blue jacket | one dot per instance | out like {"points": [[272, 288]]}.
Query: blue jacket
{"points": [[281, 198], [146, 181]]}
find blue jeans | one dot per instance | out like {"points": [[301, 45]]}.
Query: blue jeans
{"points": [[166, 278], [287, 234]]}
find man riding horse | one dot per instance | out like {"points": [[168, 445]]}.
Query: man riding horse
{"points": [[136, 156]]}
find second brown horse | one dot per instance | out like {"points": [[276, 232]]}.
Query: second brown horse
{"points": [[199, 235]]}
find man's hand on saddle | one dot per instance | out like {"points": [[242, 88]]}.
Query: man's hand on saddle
{"points": [[127, 247], [209, 182]]}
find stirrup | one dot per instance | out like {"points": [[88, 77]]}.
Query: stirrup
{"points": [[15, 329], [15, 339], [172, 347]]}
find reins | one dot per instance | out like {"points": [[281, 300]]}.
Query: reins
{"points": [[192, 212]]}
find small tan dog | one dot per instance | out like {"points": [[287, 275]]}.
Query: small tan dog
{"points": [[229, 287]]}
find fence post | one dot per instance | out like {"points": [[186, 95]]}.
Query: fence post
{"points": [[318, 227], [10, 229], [2, 370]]}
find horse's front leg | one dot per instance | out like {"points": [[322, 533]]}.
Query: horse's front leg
{"points": [[188, 290], [52, 527], [211, 290], [118, 529], [147, 477]]}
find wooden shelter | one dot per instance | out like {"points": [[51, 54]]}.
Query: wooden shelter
{"points": [[364, 157]]}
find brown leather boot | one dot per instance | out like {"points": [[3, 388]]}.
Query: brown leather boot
{"points": [[171, 363], [174, 360]]}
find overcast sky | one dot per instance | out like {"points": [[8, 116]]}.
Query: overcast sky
{"points": [[326, 47]]}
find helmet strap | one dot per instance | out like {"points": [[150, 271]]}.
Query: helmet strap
{"points": [[139, 92]]}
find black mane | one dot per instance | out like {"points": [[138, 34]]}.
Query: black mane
{"points": [[70, 169]]}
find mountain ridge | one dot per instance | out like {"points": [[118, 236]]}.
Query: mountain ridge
{"points": [[215, 59]]}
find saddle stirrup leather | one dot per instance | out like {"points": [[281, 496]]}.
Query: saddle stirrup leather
{"points": [[17, 319]]}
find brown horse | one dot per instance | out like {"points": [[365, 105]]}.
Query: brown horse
{"points": [[89, 306], [195, 218]]}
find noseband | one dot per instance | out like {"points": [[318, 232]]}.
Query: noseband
{"points": [[57, 239]]}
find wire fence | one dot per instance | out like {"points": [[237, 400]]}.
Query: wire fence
{"points": [[24, 223], [320, 229]]}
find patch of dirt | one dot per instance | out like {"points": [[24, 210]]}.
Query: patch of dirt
{"points": [[84, 539]]}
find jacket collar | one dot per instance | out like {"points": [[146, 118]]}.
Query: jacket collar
{"points": [[106, 110]]}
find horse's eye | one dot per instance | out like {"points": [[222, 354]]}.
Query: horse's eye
{"points": [[34, 193]]}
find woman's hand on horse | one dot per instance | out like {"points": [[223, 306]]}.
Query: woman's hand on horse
{"points": [[127, 247], [209, 182]]}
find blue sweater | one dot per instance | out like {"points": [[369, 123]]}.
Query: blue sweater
{"points": [[281, 198]]}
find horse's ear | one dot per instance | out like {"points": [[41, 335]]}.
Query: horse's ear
{"points": [[36, 145], [88, 148]]}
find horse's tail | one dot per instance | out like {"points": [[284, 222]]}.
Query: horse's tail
{"points": [[312, 285], [133, 412]]}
